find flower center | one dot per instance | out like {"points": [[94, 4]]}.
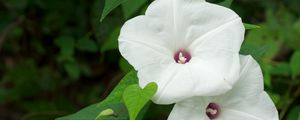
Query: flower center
{"points": [[182, 56], [213, 110]]}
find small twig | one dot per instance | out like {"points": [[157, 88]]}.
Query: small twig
{"points": [[286, 108]]}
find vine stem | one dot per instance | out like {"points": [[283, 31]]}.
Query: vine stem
{"points": [[285, 109]]}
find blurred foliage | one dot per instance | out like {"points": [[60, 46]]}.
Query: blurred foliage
{"points": [[57, 57]]}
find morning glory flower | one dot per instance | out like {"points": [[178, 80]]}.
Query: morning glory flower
{"points": [[188, 47], [246, 101]]}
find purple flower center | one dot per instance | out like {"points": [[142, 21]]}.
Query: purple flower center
{"points": [[182, 56], [213, 110]]}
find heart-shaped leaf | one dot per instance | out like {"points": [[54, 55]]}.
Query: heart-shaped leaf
{"points": [[136, 98]]}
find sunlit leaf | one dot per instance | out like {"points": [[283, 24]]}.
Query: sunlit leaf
{"points": [[135, 98], [107, 112]]}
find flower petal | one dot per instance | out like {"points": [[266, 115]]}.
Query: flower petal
{"points": [[169, 25], [259, 107], [250, 83], [221, 47], [247, 99], [143, 41], [149, 43], [177, 82], [192, 19], [208, 81], [192, 109], [173, 80]]}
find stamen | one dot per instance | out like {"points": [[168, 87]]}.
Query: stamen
{"points": [[182, 59], [213, 111], [182, 56]]}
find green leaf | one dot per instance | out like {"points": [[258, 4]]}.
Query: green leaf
{"points": [[107, 112], [226, 3], [281, 69], [251, 26], [261, 39], [296, 27], [125, 66], [295, 64], [113, 101], [109, 6], [119, 112], [275, 97], [131, 7], [267, 68], [112, 42], [86, 44], [72, 69], [136, 98], [256, 53], [66, 45], [294, 114]]}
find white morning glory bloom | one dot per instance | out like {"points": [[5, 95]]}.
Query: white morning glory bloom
{"points": [[246, 101], [188, 47]]}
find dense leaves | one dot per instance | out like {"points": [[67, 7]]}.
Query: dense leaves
{"points": [[295, 64], [109, 6], [113, 101]]}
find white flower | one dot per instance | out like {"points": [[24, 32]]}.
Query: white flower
{"points": [[246, 101], [188, 47]]}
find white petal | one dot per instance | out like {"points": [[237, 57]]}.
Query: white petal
{"points": [[228, 36], [172, 24], [174, 82], [208, 81], [250, 83], [193, 19], [149, 42], [143, 41], [221, 47], [177, 82], [247, 100], [192, 109], [259, 107]]}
